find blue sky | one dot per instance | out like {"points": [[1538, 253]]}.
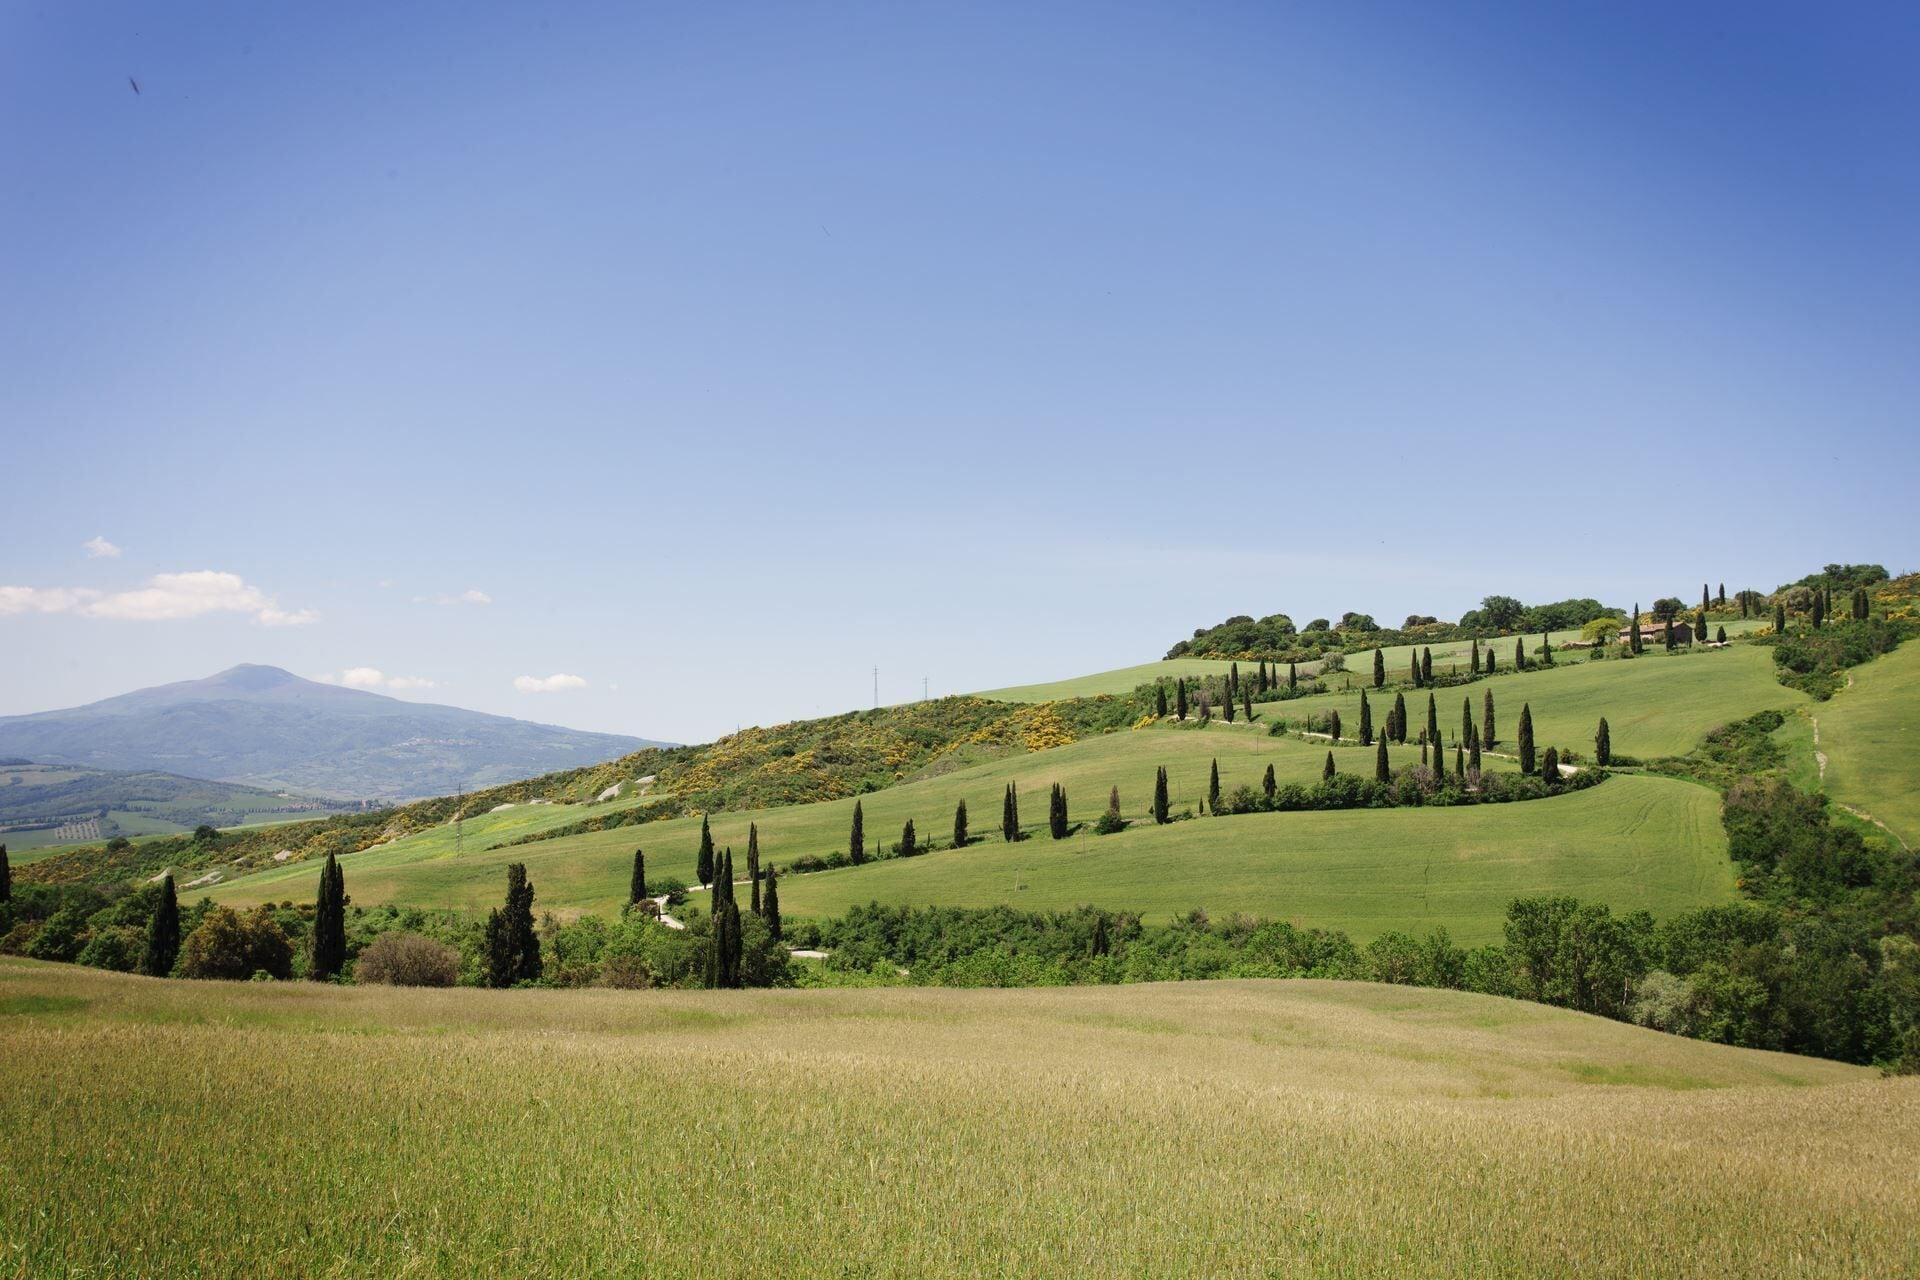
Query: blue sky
{"points": [[729, 351]]}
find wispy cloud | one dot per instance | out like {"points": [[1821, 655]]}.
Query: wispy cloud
{"points": [[548, 684], [472, 595], [97, 547], [166, 597], [374, 678]]}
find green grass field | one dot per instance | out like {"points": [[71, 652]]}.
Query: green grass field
{"points": [[1869, 732], [1655, 705], [1121, 680], [1241, 1129]]}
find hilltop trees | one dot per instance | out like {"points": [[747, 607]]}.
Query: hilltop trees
{"points": [[1010, 815], [328, 947], [1057, 812], [1666, 609], [637, 886], [960, 825], [1602, 744], [512, 946], [703, 864], [1379, 668], [1502, 613], [856, 838], [163, 933], [1526, 738]]}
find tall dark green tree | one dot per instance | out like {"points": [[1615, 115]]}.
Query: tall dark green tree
{"points": [[1379, 669], [327, 954], [1381, 773], [1546, 648], [1466, 718], [1426, 666], [1010, 815], [1180, 698], [1550, 766], [1602, 744], [725, 941], [163, 933], [1433, 720], [1633, 633], [6, 877], [1246, 702], [1057, 812], [1399, 717], [1366, 721], [1213, 786], [1333, 725], [637, 887], [1526, 738], [1413, 673], [1700, 627], [1269, 784], [909, 845], [523, 942], [1439, 760], [1459, 761], [1519, 653], [497, 951], [1160, 700], [857, 837], [1293, 676], [1227, 706], [1476, 655], [1705, 599], [1487, 735], [1779, 618], [1160, 796], [1233, 681], [960, 825], [1328, 771], [753, 866], [770, 904], [703, 863], [1819, 608], [1473, 754], [1668, 639]]}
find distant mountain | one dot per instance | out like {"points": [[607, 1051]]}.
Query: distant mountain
{"points": [[43, 804], [264, 727]]}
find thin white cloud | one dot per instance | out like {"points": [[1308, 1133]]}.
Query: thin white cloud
{"points": [[166, 597], [472, 595], [375, 678], [97, 547], [548, 684]]}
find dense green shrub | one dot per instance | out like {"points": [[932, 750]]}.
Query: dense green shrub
{"points": [[403, 959]]}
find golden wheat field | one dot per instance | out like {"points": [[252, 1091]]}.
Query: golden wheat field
{"points": [[1218, 1129]]}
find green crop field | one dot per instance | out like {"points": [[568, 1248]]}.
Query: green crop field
{"points": [[1656, 705], [1869, 732], [1222, 1129]]}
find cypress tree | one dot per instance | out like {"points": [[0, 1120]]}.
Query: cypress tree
{"points": [[703, 865], [1519, 654], [1486, 721], [1268, 783], [1476, 655], [1459, 761], [960, 825], [1546, 648], [1705, 600], [328, 946], [909, 845], [1550, 766], [724, 948], [1160, 701], [770, 904], [1602, 744], [163, 933], [1819, 608], [857, 838], [1779, 618], [1246, 702], [1293, 677], [1433, 720], [497, 950], [1180, 698], [1633, 633], [6, 877], [1700, 627], [523, 944], [637, 887], [1160, 796], [1227, 707], [1379, 668], [1381, 773], [1233, 681], [1526, 738], [1487, 660], [1366, 721], [1466, 718], [1333, 725], [1328, 771], [1426, 666], [1413, 674], [1721, 636], [1057, 812], [1399, 717], [1213, 786], [1439, 761], [1669, 635], [753, 866], [1010, 819], [1423, 749], [1473, 754]]}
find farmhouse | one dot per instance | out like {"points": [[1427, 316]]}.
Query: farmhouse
{"points": [[1656, 633]]}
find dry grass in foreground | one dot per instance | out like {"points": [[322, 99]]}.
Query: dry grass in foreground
{"points": [[1219, 1129]]}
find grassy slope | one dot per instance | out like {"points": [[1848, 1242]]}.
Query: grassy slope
{"points": [[1650, 843], [1870, 732], [1121, 680], [1655, 705], [1221, 1129]]}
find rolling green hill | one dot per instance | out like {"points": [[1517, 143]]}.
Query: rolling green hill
{"points": [[48, 804], [1218, 1128], [1870, 735]]}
